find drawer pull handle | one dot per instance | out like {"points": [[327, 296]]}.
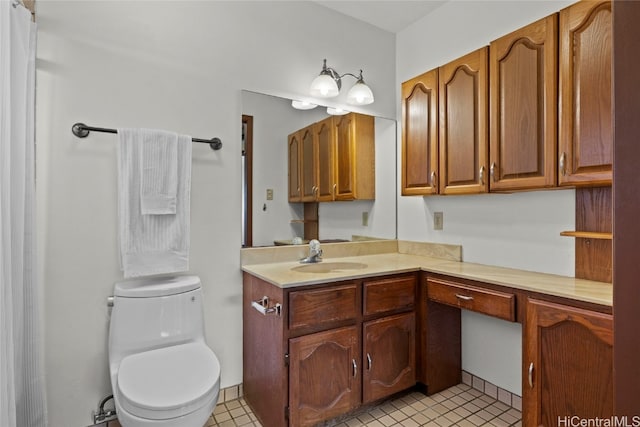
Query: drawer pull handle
{"points": [[464, 297], [355, 367], [531, 375], [368, 361], [262, 306]]}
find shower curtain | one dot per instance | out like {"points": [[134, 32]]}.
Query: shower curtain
{"points": [[22, 399]]}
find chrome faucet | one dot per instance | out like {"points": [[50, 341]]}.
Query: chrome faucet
{"points": [[315, 253]]}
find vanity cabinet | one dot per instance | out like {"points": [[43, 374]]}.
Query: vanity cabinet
{"points": [[388, 356], [568, 364], [339, 345], [420, 135], [464, 120], [585, 128], [336, 160], [324, 381], [523, 107]]}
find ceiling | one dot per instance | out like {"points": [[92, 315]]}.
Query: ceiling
{"points": [[392, 16]]}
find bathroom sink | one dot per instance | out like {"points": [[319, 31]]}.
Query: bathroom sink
{"points": [[329, 267]]}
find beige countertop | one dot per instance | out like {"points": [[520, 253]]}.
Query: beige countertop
{"points": [[292, 273]]}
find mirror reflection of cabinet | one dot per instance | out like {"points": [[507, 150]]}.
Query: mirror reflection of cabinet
{"points": [[336, 160], [323, 132], [295, 194]]}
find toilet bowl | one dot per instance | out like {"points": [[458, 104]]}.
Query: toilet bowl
{"points": [[162, 372]]}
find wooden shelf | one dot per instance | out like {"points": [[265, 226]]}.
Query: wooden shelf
{"points": [[588, 234]]}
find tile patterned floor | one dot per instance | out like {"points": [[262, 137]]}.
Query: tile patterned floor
{"points": [[460, 405]]}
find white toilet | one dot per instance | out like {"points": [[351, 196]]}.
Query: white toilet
{"points": [[163, 374]]}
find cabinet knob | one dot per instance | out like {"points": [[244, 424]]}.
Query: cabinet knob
{"points": [[481, 175], [563, 160], [492, 171], [531, 375]]}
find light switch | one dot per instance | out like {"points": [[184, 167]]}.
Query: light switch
{"points": [[365, 219], [438, 220], [269, 193]]}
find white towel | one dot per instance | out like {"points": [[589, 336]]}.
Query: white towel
{"points": [[152, 244], [159, 169]]}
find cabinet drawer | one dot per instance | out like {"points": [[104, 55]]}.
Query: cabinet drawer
{"points": [[319, 307], [389, 294], [490, 302]]}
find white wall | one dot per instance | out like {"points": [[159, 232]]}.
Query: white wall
{"points": [[178, 66], [513, 230]]}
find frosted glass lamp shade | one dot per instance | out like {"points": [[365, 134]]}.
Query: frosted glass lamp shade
{"points": [[360, 94], [324, 86]]}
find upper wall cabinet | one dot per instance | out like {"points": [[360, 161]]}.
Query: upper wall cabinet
{"points": [[523, 107], [586, 138], [324, 166], [354, 157], [335, 160], [420, 135], [463, 143], [308, 164], [295, 147]]}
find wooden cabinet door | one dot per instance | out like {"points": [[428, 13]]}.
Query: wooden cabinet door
{"points": [[464, 119], [324, 376], [568, 364], [323, 132], [523, 107], [420, 135], [586, 135], [344, 157], [389, 363], [295, 190], [308, 165]]}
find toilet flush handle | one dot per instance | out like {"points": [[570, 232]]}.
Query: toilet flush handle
{"points": [[110, 300]]}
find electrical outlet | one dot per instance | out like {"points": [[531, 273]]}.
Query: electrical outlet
{"points": [[269, 193], [438, 220], [365, 219]]}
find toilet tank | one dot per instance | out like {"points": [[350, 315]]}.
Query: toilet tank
{"points": [[151, 313]]}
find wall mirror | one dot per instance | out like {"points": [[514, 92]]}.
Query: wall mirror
{"points": [[269, 218]]}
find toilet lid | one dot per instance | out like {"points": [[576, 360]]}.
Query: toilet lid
{"points": [[168, 382]]}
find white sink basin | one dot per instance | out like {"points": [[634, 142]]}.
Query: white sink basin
{"points": [[329, 267]]}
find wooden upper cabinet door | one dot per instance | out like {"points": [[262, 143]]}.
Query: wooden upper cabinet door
{"points": [[295, 191], [344, 157], [323, 132], [523, 107], [324, 376], [586, 135], [464, 120], [568, 364], [389, 363], [308, 169], [420, 135]]}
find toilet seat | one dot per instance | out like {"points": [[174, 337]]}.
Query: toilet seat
{"points": [[167, 382]]}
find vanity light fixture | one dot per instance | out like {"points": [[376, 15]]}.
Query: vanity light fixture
{"points": [[303, 105], [336, 111], [329, 82]]}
